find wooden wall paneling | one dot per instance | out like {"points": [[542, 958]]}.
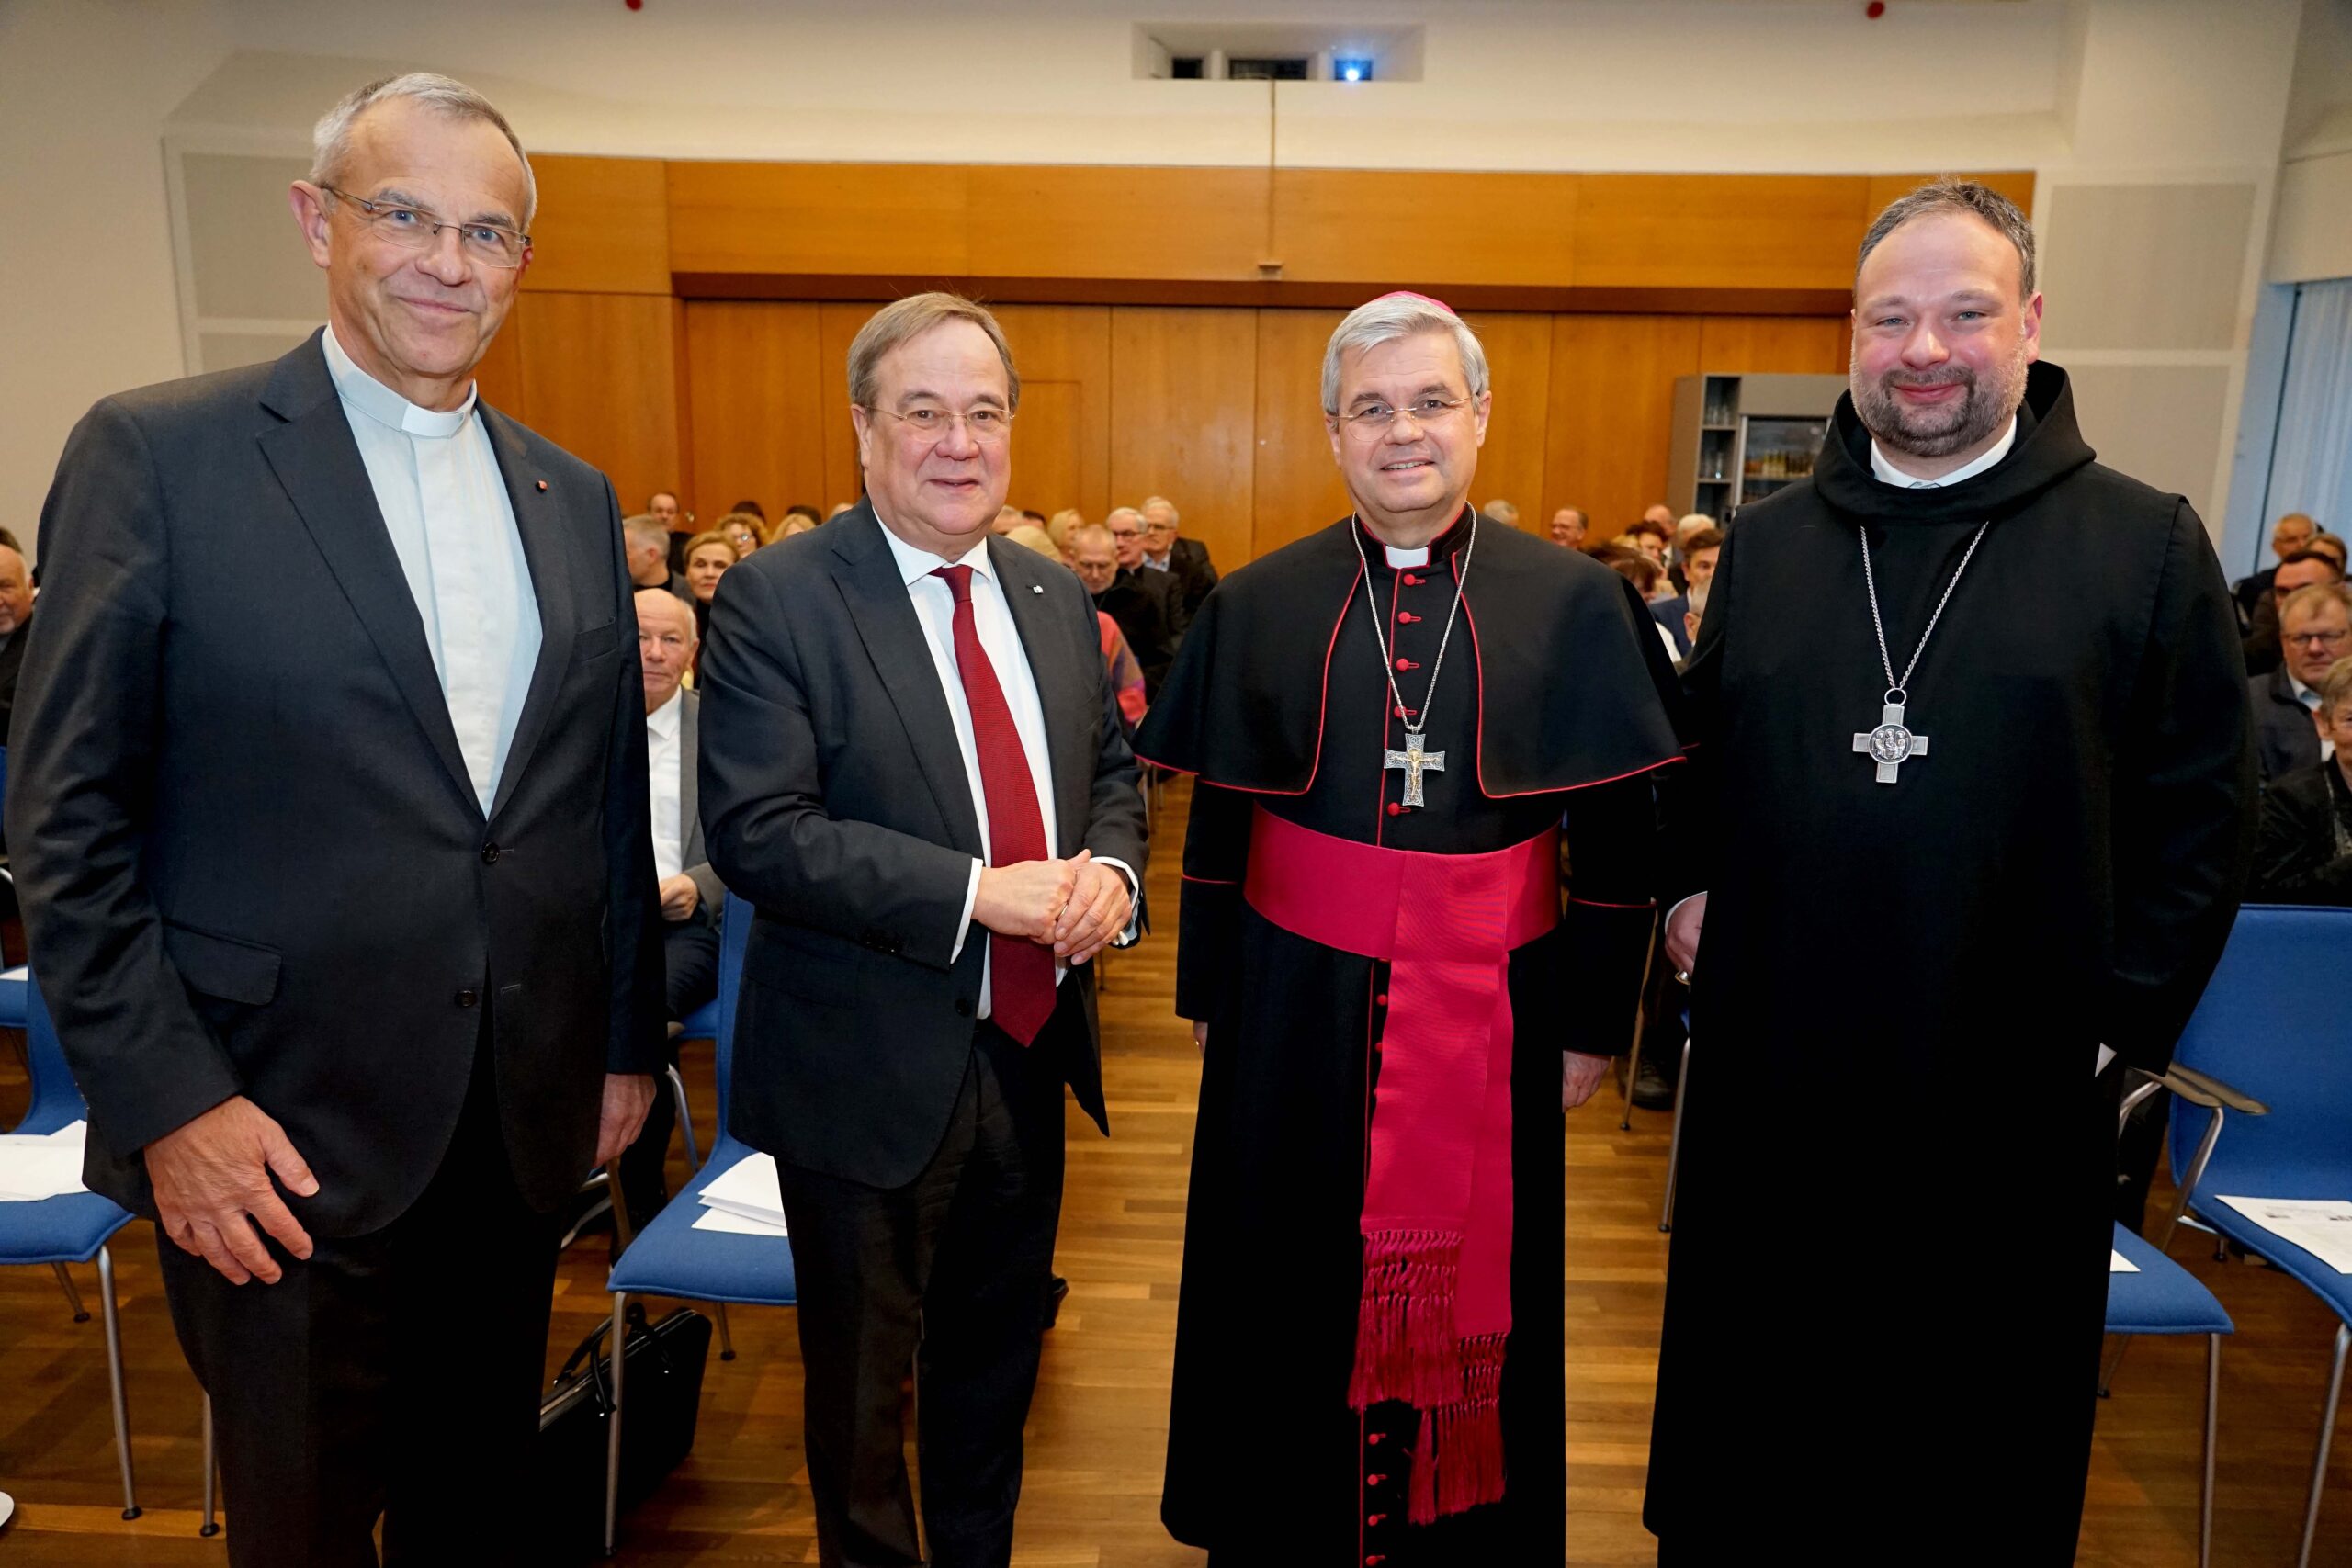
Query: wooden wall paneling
{"points": [[499, 376], [1030, 221], [1511, 463], [758, 392], [1183, 406], [886, 219], [1295, 488], [1767, 231], [600, 380], [1611, 410], [1372, 226], [603, 226], [837, 326], [1061, 438], [1809, 345]]}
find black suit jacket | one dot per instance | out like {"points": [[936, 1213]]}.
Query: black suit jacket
{"points": [[1188, 563], [2284, 735], [249, 854], [12, 664], [710, 893], [835, 799], [2296, 857], [1149, 608]]}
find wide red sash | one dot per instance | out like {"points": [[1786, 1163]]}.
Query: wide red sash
{"points": [[1435, 1311]]}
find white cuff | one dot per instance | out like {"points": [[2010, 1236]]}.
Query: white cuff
{"points": [[964, 923], [2106, 1054]]}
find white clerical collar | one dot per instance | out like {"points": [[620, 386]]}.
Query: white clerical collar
{"points": [[663, 720], [916, 563], [1407, 557], [1889, 474], [380, 403]]}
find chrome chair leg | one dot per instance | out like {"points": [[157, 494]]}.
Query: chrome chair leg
{"points": [[73, 1296], [685, 1119], [2326, 1435], [620, 1343], [2205, 1496], [212, 1525], [1674, 1142], [726, 1339], [113, 1378]]}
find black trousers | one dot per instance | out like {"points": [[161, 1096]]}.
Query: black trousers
{"points": [[948, 1273], [690, 956], [393, 1375]]}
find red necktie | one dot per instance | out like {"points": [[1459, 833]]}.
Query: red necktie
{"points": [[1021, 973]]}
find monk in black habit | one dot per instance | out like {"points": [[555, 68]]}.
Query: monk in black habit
{"points": [[1387, 721], [1946, 883]]}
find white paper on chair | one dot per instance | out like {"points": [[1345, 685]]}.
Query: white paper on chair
{"points": [[736, 1224], [37, 1167], [749, 1189], [2119, 1264], [2321, 1226]]}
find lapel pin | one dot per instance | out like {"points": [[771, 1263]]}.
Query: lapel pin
{"points": [[543, 484], [1036, 588]]}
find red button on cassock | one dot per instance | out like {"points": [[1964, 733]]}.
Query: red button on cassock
{"points": [[1395, 809], [1408, 617], [1382, 999]]}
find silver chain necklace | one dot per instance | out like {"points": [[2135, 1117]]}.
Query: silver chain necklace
{"points": [[1412, 759], [1893, 743]]}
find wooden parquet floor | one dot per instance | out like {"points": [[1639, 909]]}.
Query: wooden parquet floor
{"points": [[1096, 1433]]}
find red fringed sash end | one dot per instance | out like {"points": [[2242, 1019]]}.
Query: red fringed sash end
{"points": [[1406, 1346], [1459, 1462]]}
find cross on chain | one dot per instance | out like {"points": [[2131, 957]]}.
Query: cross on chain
{"points": [[1890, 745], [1414, 761]]}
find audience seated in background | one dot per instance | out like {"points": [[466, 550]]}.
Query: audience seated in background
{"points": [[1008, 518], [1030, 514], [690, 891], [750, 509], [708, 555], [1187, 561], [1648, 538], [663, 507], [744, 531], [1568, 527], [1502, 512], [16, 624], [2326, 543], [840, 507], [1698, 548], [2317, 632], [2289, 535], [802, 510], [1696, 615], [1644, 573], [2303, 851], [1142, 616], [1059, 524], [2302, 569], [1118, 658], [646, 540], [1126, 525]]}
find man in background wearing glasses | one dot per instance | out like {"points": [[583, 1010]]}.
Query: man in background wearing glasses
{"points": [[2315, 631], [330, 823]]}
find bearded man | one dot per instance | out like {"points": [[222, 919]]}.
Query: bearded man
{"points": [[1901, 934]]}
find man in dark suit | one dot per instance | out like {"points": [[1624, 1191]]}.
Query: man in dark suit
{"points": [[2303, 569], [1164, 549], [2303, 851], [16, 619], [910, 764], [1144, 604], [1126, 526], [1700, 547], [2315, 630], [2289, 535], [690, 891], [650, 541], [328, 810]]}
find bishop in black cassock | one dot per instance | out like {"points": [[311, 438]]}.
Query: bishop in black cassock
{"points": [[1338, 1063], [1925, 932]]}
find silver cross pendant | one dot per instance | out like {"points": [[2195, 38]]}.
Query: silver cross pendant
{"points": [[1891, 744], [1414, 761]]}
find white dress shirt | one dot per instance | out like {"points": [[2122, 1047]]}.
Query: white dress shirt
{"points": [[1888, 473], [664, 729], [2309, 699], [444, 505], [935, 606]]}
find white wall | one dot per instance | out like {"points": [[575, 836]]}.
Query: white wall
{"points": [[2087, 92]]}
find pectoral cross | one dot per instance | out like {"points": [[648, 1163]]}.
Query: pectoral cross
{"points": [[1891, 744], [1414, 761]]}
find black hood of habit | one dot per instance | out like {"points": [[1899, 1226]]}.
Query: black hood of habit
{"points": [[2050, 447]]}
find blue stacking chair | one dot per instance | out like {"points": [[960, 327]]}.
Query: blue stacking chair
{"points": [[2270, 1041], [2165, 1298], [669, 1257]]}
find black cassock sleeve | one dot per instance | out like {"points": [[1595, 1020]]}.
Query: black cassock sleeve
{"points": [[1613, 870], [2184, 791], [1209, 938]]}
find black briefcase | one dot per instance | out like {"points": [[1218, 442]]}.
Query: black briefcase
{"points": [[664, 1390]]}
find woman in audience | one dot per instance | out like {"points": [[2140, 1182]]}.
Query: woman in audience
{"points": [[1069, 517], [708, 555], [2304, 853], [744, 531]]}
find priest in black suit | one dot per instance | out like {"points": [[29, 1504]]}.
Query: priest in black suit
{"points": [[329, 816], [911, 765], [1368, 1342], [1974, 782]]}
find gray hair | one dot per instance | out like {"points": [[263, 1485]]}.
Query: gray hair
{"points": [[1087, 533], [1957, 196], [1151, 500], [645, 529], [1394, 316], [331, 138], [1501, 511], [902, 319], [1121, 511]]}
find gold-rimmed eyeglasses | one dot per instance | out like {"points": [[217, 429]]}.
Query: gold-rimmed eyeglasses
{"points": [[1371, 419], [987, 424], [412, 228]]}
